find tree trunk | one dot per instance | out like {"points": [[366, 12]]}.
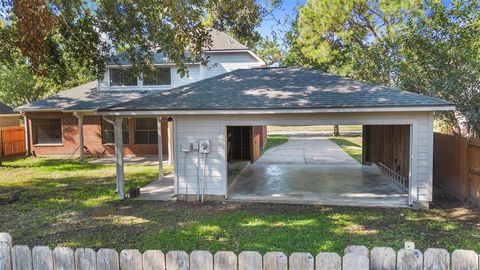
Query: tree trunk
{"points": [[336, 131]]}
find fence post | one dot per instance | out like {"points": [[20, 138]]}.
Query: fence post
{"points": [[382, 258], [7, 238], [178, 260], [275, 261], [42, 258], [85, 259], [5, 258], [250, 260], [409, 259], [153, 260], [465, 259], [361, 250], [200, 259], [355, 261], [107, 259], [436, 259], [301, 261], [225, 260], [328, 261], [21, 258], [130, 259], [63, 259]]}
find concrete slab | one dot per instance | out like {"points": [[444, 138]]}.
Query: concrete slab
{"points": [[314, 170], [138, 160], [317, 184], [160, 190], [307, 150]]}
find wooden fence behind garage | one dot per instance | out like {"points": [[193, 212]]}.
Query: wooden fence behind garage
{"points": [[456, 166], [12, 141]]}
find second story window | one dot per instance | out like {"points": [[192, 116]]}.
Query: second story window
{"points": [[159, 76], [122, 77]]}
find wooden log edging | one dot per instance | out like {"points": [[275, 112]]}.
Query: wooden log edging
{"points": [[21, 257]]}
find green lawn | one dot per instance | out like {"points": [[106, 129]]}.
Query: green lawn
{"points": [[351, 145], [65, 203], [274, 140]]}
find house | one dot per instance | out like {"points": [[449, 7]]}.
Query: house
{"points": [[397, 129], [54, 129], [8, 117], [223, 108]]}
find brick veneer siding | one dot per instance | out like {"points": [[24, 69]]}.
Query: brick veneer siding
{"points": [[92, 137]]}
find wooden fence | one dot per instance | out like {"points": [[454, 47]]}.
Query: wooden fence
{"points": [[456, 166], [21, 257], [12, 141]]}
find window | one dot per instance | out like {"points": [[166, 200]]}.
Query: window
{"points": [[159, 76], [108, 133], [146, 131], [47, 131], [122, 77]]}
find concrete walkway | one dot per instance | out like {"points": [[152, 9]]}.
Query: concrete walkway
{"points": [[307, 150], [137, 160], [160, 190]]}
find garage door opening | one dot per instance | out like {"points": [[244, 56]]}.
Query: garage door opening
{"points": [[365, 165]]}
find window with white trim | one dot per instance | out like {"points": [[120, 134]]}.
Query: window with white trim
{"points": [[146, 131], [122, 77], [108, 132], [159, 76], [47, 131]]}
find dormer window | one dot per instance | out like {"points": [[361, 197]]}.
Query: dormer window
{"points": [[122, 77], [159, 76]]}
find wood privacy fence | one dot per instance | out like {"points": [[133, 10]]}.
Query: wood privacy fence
{"points": [[456, 166], [21, 257], [12, 141]]}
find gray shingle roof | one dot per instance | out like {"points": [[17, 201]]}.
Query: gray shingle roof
{"points": [[83, 97], [5, 109], [276, 88], [220, 42]]}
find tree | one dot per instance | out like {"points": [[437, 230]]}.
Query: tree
{"points": [[240, 18], [427, 47], [440, 56], [269, 51]]}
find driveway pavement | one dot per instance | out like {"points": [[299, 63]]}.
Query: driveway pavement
{"points": [[307, 150]]}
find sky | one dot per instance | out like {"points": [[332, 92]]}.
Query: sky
{"points": [[282, 17]]}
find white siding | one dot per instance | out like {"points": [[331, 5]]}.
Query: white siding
{"points": [[213, 127], [219, 63]]}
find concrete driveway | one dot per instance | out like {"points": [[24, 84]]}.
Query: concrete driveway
{"points": [[314, 170], [307, 150]]}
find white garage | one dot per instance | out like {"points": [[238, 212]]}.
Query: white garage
{"points": [[397, 126]]}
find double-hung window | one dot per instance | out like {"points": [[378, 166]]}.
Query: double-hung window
{"points": [[146, 131], [108, 132], [47, 131]]}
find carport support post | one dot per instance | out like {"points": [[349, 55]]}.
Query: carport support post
{"points": [[81, 146], [170, 141], [160, 147], [119, 157]]}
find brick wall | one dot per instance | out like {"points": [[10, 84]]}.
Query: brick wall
{"points": [[92, 137]]}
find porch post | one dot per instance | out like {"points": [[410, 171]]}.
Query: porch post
{"points": [[119, 157], [170, 142], [160, 147], [80, 130]]}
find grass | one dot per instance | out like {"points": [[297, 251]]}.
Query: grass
{"points": [[274, 140], [351, 146], [69, 204], [342, 128]]}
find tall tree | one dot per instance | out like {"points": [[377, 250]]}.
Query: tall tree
{"points": [[240, 18]]}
